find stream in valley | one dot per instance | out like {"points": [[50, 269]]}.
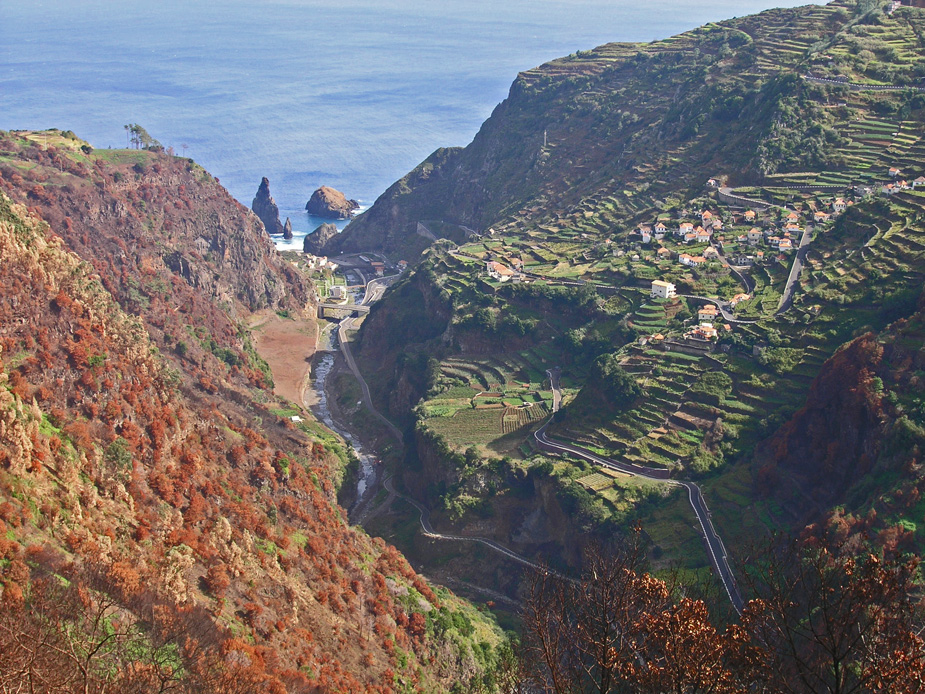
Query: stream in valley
{"points": [[321, 409]]}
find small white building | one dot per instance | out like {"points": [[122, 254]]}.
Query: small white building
{"points": [[662, 289], [338, 291]]}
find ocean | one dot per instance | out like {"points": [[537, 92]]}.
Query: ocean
{"points": [[351, 94]]}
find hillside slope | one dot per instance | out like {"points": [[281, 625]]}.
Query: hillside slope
{"points": [[161, 524], [605, 133]]}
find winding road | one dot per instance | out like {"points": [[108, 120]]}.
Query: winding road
{"points": [[374, 291], [786, 299], [715, 547]]}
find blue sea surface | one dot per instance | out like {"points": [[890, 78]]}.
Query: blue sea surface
{"points": [[351, 94]]}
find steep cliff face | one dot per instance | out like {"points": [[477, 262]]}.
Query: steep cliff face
{"points": [[862, 421], [264, 206]]}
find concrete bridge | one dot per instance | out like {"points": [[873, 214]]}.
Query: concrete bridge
{"points": [[352, 309]]}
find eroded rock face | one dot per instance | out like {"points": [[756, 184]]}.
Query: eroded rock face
{"points": [[314, 242], [331, 204], [264, 206]]}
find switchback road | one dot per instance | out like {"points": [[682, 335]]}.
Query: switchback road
{"points": [[715, 547]]}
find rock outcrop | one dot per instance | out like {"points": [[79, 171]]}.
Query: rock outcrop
{"points": [[287, 229], [331, 204], [315, 241], [264, 206]]}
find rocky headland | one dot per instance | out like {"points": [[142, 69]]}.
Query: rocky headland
{"points": [[315, 242]]}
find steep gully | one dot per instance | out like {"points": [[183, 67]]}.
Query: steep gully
{"points": [[362, 510]]}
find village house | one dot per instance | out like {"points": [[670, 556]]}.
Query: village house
{"points": [[717, 224], [499, 271], [749, 215], [706, 217], [889, 189], [690, 238], [820, 216], [691, 260], [685, 228], [646, 235], [402, 265], [785, 245], [792, 218], [919, 182], [702, 236], [660, 228], [378, 268], [663, 253], [709, 253], [704, 331], [738, 299], [839, 205], [894, 172], [662, 289], [754, 236], [707, 313]]}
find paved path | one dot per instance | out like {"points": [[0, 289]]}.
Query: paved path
{"points": [[374, 291], [715, 547], [554, 375], [429, 531], [786, 299], [861, 87]]}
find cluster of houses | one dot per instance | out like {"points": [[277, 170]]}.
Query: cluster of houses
{"points": [[900, 184], [319, 262], [707, 314]]}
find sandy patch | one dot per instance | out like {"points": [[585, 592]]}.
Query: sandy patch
{"points": [[287, 345]]}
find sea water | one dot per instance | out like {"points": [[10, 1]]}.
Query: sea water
{"points": [[351, 94]]}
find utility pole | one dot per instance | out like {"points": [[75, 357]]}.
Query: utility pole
{"points": [[544, 139]]}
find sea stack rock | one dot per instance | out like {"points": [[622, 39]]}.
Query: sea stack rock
{"points": [[287, 229], [264, 206], [315, 241], [331, 204]]}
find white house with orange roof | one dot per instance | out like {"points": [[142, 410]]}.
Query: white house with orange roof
{"points": [[707, 313], [819, 216], [738, 299], [894, 172], [704, 331], [839, 205], [702, 235], [749, 215], [499, 271], [691, 260], [919, 182]]}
